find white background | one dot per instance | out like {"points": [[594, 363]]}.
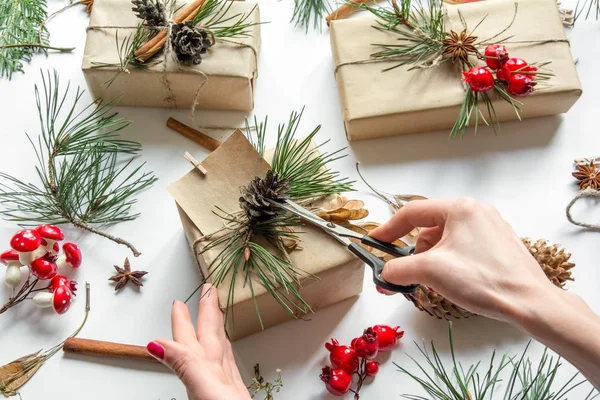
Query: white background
{"points": [[525, 171]]}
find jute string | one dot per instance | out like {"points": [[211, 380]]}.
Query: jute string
{"points": [[581, 195]]}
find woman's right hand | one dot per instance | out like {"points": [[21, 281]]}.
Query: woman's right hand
{"points": [[467, 253]]}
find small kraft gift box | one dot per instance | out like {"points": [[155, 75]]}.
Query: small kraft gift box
{"points": [[223, 80], [380, 98], [336, 274]]}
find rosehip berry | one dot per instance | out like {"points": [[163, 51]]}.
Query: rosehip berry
{"points": [[60, 280], [372, 368], [520, 85], [342, 357], [387, 337], [366, 345], [479, 79], [337, 381], [512, 66], [495, 56]]}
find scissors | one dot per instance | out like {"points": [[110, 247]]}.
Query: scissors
{"points": [[343, 234]]}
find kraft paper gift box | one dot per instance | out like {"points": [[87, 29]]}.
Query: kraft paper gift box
{"points": [[224, 80], [234, 164], [378, 104]]}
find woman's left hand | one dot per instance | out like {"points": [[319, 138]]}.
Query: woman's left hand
{"points": [[202, 358]]}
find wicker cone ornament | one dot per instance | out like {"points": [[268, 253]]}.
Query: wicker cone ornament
{"points": [[553, 259]]}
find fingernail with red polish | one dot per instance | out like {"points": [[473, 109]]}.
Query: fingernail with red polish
{"points": [[379, 289], [156, 350]]}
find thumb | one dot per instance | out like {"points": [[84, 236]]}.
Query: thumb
{"points": [[407, 270], [176, 356]]}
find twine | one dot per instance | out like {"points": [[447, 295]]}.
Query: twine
{"points": [[582, 194]]}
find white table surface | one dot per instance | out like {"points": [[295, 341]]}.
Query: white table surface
{"points": [[525, 171]]}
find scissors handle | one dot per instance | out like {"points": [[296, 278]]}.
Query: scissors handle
{"points": [[388, 248], [376, 265]]}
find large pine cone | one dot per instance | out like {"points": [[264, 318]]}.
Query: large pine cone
{"points": [[553, 259], [189, 42], [153, 12], [256, 197]]}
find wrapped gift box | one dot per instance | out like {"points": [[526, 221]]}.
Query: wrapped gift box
{"points": [[399, 101], [225, 77], [234, 164]]}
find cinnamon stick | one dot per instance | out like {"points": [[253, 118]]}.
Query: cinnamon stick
{"points": [[154, 45], [97, 348], [347, 9], [203, 140]]}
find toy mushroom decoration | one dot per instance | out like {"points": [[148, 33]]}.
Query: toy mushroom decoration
{"points": [[59, 299], [71, 256], [12, 277], [27, 242], [44, 267], [50, 234]]}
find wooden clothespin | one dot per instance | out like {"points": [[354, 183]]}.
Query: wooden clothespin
{"points": [[195, 163]]}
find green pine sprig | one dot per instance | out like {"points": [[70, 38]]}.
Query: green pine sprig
{"points": [[241, 255], [587, 8], [87, 176], [310, 12], [23, 34], [527, 380], [213, 16]]}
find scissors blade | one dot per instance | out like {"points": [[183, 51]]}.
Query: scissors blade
{"points": [[340, 233]]}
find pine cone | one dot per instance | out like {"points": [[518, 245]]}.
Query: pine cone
{"points": [[153, 12], [554, 262], [190, 42], [255, 199]]}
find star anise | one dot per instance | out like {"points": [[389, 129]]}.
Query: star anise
{"points": [[588, 176], [125, 275], [459, 45], [88, 4]]}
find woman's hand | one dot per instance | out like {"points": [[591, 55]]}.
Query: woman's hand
{"points": [[202, 358], [468, 254]]}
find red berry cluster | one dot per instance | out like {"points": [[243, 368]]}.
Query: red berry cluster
{"points": [[357, 359], [515, 73], [38, 250]]}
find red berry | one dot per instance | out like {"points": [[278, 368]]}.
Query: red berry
{"points": [[337, 381], [387, 337], [495, 56], [512, 66], [479, 79], [342, 357], [60, 280], [366, 345], [372, 368], [520, 85]]}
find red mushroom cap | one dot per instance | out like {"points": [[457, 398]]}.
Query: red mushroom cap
{"points": [[61, 280], [26, 240], [9, 255], [44, 268], [51, 232], [72, 254], [61, 301]]}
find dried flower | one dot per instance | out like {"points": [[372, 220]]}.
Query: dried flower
{"points": [[588, 176], [459, 45]]}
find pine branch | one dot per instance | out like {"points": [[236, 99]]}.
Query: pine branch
{"points": [[587, 8], [307, 12], [84, 179], [213, 16], [526, 382], [22, 34]]}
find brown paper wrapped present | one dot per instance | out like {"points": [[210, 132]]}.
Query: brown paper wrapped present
{"points": [[232, 165], [223, 81], [399, 101]]}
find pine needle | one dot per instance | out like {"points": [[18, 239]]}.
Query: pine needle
{"points": [[86, 171], [22, 34], [310, 12]]}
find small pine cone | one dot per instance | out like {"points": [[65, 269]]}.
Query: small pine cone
{"points": [[553, 260], [190, 42], [256, 197], [153, 12]]}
